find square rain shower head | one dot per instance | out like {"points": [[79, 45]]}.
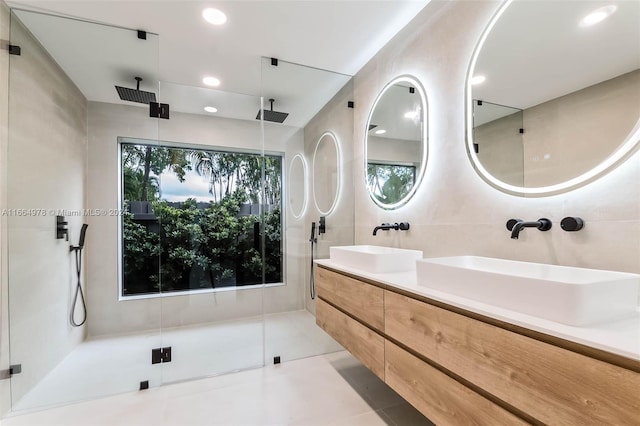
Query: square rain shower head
{"points": [[271, 115], [134, 95], [275, 116]]}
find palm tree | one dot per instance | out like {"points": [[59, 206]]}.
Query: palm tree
{"points": [[228, 171], [141, 160]]}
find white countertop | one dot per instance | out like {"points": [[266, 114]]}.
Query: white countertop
{"points": [[619, 337]]}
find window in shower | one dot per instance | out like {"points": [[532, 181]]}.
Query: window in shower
{"points": [[198, 219]]}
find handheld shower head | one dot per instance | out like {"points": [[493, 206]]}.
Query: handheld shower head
{"points": [[313, 232], [83, 232]]}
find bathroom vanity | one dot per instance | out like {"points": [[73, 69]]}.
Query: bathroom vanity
{"points": [[463, 362]]}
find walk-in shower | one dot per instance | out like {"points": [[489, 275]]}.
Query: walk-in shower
{"points": [[194, 264]]}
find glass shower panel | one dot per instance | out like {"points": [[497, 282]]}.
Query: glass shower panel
{"points": [[302, 104], [211, 211], [498, 132], [74, 330]]}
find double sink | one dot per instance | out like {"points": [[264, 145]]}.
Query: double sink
{"points": [[568, 295]]}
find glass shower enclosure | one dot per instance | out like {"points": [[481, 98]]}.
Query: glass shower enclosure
{"points": [[196, 260]]}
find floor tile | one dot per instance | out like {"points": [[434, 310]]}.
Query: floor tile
{"points": [[332, 389]]}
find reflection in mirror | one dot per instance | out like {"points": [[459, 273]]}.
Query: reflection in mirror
{"points": [[544, 117], [498, 141], [396, 143], [326, 173], [297, 186]]}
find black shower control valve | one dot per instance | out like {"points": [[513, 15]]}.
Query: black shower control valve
{"points": [[61, 228], [322, 225], [572, 224]]}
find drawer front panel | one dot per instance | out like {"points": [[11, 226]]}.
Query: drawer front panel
{"points": [[439, 397], [553, 385], [362, 300], [363, 343]]}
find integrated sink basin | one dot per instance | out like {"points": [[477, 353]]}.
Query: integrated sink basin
{"points": [[568, 295], [375, 259]]}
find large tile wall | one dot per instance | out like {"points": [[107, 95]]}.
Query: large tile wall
{"points": [[455, 212]]}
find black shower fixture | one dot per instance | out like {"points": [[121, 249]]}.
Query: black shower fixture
{"points": [[136, 95], [271, 115]]}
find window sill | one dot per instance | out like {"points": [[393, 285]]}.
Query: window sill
{"points": [[197, 292]]}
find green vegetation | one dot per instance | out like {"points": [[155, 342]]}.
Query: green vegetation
{"points": [[390, 183], [196, 245]]}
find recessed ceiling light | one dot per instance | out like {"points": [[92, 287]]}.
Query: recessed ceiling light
{"points": [[211, 81], [598, 15], [411, 115], [477, 79], [214, 16], [380, 132], [210, 109]]}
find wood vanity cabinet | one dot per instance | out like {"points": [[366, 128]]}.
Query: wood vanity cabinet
{"points": [[358, 299], [458, 369]]}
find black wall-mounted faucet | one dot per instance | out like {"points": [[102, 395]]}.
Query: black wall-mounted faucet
{"points": [[402, 226], [516, 225]]}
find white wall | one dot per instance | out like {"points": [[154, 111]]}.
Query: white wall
{"points": [[46, 170], [455, 212], [108, 315], [387, 150], [570, 135]]}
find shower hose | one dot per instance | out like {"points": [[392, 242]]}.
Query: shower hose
{"points": [[78, 253], [312, 283]]}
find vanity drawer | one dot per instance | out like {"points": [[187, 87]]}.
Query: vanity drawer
{"points": [[551, 384], [363, 343], [363, 301], [439, 397]]}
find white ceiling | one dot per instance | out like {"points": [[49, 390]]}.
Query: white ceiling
{"points": [[340, 36], [537, 51]]}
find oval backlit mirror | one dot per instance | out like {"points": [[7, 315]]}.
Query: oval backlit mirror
{"points": [[396, 142], [297, 188], [326, 173], [550, 111]]}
